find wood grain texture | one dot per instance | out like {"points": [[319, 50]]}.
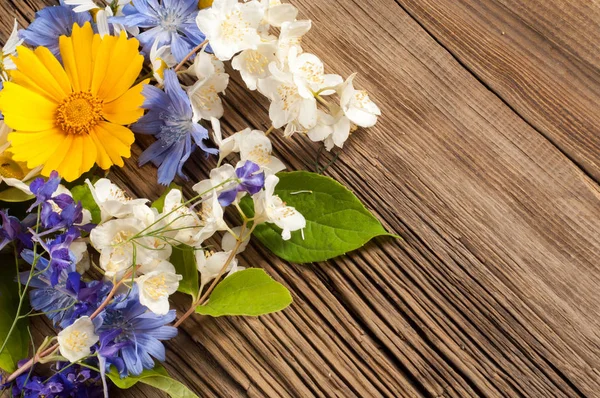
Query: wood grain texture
{"points": [[541, 57], [492, 292]]}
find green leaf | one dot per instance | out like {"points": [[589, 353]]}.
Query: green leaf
{"points": [[14, 195], [83, 194], [184, 260], [249, 292], [159, 203], [157, 377], [17, 347], [336, 221]]}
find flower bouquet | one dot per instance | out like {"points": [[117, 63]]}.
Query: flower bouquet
{"points": [[76, 85]]}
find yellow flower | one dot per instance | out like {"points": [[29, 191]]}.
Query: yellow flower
{"points": [[67, 119]]}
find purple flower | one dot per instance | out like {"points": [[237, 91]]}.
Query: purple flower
{"points": [[13, 230], [169, 118], [49, 24], [141, 332], [169, 22], [43, 190], [69, 381], [251, 180]]}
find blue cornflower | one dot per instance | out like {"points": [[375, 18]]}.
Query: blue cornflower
{"points": [[169, 118], [251, 180], [140, 328], [170, 22], [67, 300], [50, 23]]}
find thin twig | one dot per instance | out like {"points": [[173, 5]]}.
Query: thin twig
{"points": [[190, 55]]}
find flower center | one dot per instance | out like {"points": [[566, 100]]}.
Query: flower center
{"points": [[156, 287], [79, 113]]}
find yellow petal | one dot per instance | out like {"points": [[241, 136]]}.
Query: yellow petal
{"points": [[32, 72], [58, 156], [126, 109], [116, 141], [82, 39], [26, 110], [102, 158], [89, 154], [55, 68], [35, 148], [70, 167], [123, 69], [102, 57]]}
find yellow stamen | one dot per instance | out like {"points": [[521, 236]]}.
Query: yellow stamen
{"points": [[79, 113]]}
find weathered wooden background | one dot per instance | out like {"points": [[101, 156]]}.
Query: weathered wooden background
{"points": [[486, 162]]}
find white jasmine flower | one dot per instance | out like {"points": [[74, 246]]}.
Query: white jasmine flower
{"points": [[112, 200], [204, 94], [82, 256], [229, 241], [184, 223], [217, 181], [309, 75], [290, 38], [357, 105], [118, 249], [212, 219], [228, 145], [256, 147], [254, 64], [9, 49], [161, 59], [332, 130], [155, 288], [276, 13], [287, 105], [82, 5], [210, 265], [269, 208], [230, 26], [75, 341]]}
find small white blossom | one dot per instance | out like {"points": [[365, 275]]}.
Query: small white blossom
{"points": [[309, 75], [112, 200], [210, 265], [229, 241], [228, 145], [204, 94], [75, 341], [82, 255], [256, 147], [181, 223], [230, 26], [155, 288], [333, 130], [276, 13], [9, 49], [121, 245], [253, 65], [269, 208], [290, 38], [287, 105], [357, 105], [161, 59], [82, 5]]}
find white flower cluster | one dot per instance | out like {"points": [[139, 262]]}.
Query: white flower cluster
{"points": [[295, 82], [132, 233]]}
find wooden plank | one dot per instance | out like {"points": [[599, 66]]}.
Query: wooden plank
{"points": [[542, 57], [494, 289]]}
